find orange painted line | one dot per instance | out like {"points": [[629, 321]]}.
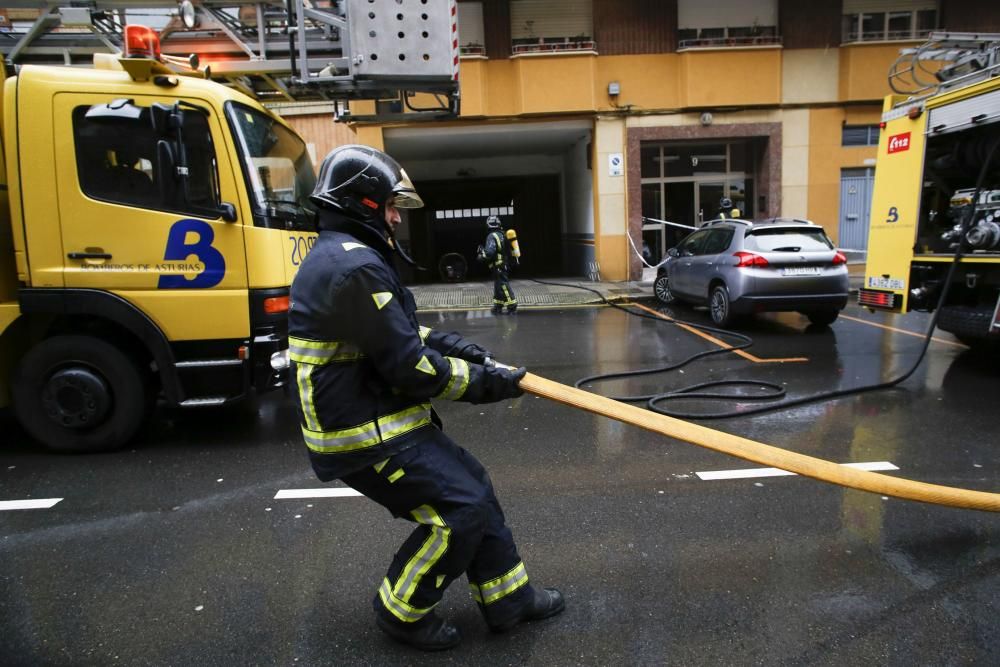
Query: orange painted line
{"points": [[716, 341], [904, 331]]}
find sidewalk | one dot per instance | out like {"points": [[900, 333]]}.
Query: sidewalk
{"points": [[468, 296], [471, 296]]}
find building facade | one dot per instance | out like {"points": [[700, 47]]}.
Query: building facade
{"points": [[585, 122]]}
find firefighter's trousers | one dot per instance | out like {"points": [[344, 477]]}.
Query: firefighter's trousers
{"points": [[461, 529], [503, 295]]}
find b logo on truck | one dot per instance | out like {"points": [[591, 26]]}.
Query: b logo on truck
{"points": [[899, 142], [212, 264]]}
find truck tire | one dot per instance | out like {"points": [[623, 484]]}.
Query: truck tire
{"points": [[969, 324], [79, 394]]}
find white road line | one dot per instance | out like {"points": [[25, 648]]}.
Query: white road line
{"points": [[337, 492], [39, 504], [747, 473]]}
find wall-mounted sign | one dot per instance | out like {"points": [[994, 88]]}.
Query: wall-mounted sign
{"points": [[616, 165]]}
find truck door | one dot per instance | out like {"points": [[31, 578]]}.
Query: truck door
{"points": [[141, 194]]}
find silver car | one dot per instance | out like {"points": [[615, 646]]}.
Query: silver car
{"points": [[738, 267]]}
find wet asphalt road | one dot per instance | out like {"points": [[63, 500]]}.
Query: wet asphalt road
{"points": [[176, 552]]}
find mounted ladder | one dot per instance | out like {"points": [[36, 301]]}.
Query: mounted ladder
{"points": [[295, 51], [946, 60]]}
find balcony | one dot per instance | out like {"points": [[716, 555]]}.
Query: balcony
{"points": [[728, 42], [578, 44], [472, 50]]}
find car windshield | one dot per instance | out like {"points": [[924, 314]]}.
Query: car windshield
{"points": [[785, 239], [278, 168]]}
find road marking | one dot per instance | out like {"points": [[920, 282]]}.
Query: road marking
{"points": [[39, 504], [748, 473], [904, 331], [335, 492], [716, 341]]}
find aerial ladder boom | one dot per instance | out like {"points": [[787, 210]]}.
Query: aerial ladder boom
{"points": [[294, 51]]}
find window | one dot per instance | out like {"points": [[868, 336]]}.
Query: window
{"points": [[718, 241], [551, 25], [694, 244], [714, 23], [122, 156], [787, 240], [859, 135], [278, 168], [471, 41], [886, 20]]}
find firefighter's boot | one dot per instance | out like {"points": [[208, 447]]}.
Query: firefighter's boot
{"points": [[431, 633], [511, 309], [544, 603], [497, 309]]}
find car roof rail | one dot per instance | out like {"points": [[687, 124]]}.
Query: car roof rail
{"points": [[781, 220]]}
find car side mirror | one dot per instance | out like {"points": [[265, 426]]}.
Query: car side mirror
{"points": [[674, 252], [227, 211]]}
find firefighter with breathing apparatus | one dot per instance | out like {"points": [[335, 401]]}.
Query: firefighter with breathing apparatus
{"points": [[496, 250], [365, 374]]}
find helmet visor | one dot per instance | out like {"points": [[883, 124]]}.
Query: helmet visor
{"points": [[404, 195]]}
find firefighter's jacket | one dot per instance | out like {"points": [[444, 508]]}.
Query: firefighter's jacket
{"points": [[496, 250], [364, 369]]}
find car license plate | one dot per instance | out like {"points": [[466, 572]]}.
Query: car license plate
{"points": [[880, 282], [800, 271]]}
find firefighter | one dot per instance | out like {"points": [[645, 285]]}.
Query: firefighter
{"points": [[365, 373], [496, 259], [727, 210]]}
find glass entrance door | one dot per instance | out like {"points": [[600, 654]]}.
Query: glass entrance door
{"points": [[709, 194]]}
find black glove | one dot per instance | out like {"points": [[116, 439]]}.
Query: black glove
{"points": [[473, 353], [500, 383]]}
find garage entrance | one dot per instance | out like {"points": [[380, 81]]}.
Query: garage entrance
{"points": [[453, 222], [534, 176]]}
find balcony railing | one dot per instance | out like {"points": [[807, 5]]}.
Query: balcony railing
{"points": [[472, 50], [886, 36], [553, 45], [723, 42]]}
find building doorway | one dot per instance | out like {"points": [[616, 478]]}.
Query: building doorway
{"points": [[856, 187], [683, 182]]}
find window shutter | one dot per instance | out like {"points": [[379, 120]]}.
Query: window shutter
{"points": [[551, 18]]}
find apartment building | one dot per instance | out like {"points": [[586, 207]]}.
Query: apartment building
{"points": [[585, 121]]}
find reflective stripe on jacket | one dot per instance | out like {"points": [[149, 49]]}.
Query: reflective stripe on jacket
{"points": [[364, 369], [495, 249]]}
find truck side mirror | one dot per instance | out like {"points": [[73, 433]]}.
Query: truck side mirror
{"points": [[227, 211]]}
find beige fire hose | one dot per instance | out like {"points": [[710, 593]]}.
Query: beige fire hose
{"points": [[758, 452]]}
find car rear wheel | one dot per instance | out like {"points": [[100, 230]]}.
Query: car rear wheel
{"points": [[79, 394], [823, 318], [661, 288], [719, 307]]}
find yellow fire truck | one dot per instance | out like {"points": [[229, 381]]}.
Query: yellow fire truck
{"points": [[937, 188], [153, 224]]}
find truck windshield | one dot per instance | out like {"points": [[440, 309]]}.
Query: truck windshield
{"points": [[279, 173]]}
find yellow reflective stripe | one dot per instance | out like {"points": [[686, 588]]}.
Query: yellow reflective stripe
{"points": [[399, 608], [500, 587], [396, 475], [424, 333], [368, 434], [318, 352], [381, 464], [458, 382], [425, 366], [303, 375], [382, 298], [429, 553]]}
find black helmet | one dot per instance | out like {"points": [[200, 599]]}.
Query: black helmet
{"points": [[493, 222], [725, 203], [360, 181]]}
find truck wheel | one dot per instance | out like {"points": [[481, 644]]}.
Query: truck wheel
{"points": [[79, 394], [968, 323]]}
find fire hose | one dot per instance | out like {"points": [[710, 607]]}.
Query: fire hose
{"points": [[759, 452]]}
